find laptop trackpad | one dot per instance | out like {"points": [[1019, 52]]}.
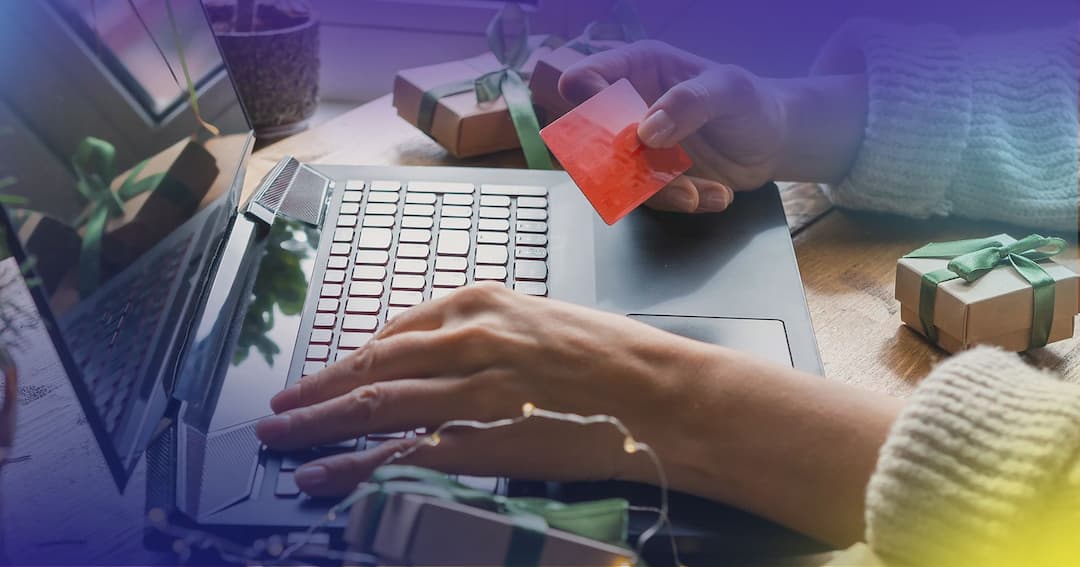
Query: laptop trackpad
{"points": [[764, 338]]}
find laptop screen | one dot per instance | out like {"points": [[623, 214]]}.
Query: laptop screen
{"points": [[117, 190]]}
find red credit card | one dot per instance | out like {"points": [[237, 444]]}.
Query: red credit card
{"points": [[597, 144]]}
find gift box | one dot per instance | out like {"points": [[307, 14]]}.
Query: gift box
{"points": [[992, 291], [419, 517], [544, 82]]}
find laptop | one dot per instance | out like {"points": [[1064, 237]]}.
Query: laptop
{"points": [[203, 305]]}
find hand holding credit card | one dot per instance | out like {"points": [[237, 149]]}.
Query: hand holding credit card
{"points": [[597, 144]]}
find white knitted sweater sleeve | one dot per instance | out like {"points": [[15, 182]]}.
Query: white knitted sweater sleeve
{"points": [[981, 127], [980, 469]]}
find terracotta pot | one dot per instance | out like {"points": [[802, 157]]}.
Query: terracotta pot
{"points": [[277, 75]]}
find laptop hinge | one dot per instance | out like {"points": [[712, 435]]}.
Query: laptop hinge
{"points": [[291, 190]]}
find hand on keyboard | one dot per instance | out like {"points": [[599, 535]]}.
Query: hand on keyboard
{"points": [[481, 353]]}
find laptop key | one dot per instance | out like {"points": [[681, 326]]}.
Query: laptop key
{"points": [[513, 190], [394, 312], [347, 221], [532, 214], [334, 276], [448, 279], [532, 226], [366, 272], [340, 248], [453, 243], [497, 225], [417, 222], [394, 186], [318, 352], [413, 251], [440, 187], [526, 239], [366, 289], [313, 367], [286, 486], [419, 210], [321, 336], [327, 305], [531, 288], [416, 235], [349, 209], [337, 262], [455, 223], [399, 298], [530, 252], [382, 197], [381, 209], [331, 290], [362, 306], [420, 199], [494, 201], [461, 212], [441, 292], [451, 263], [407, 282], [494, 213], [375, 238], [325, 321], [532, 203], [492, 238], [359, 323], [459, 200], [410, 266], [378, 221], [530, 270], [343, 234], [353, 196], [490, 273], [491, 254], [351, 340], [355, 184], [376, 257]]}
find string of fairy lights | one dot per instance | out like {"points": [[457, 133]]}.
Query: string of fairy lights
{"points": [[274, 550]]}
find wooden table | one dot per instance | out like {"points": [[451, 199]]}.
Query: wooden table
{"points": [[847, 260]]}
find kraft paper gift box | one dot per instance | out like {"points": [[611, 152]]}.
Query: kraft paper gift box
{"points": [[544, 82], [422, 530], [460, 123], [995, 309]]}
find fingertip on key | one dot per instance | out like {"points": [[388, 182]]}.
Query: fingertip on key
{"points": [[285, 400], [272, 428]]}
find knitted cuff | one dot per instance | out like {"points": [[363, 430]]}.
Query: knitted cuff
{"points": [[972, 465], [918, 116]]}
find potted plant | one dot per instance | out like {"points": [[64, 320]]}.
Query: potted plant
{"points": [[272, 49]]}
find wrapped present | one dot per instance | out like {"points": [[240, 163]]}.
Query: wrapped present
{"points": [[994, 291], [413, 516], [481, 105], [127, 214], [598, 37]]}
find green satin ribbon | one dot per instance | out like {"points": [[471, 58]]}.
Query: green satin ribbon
{"points": [[95, 169], [599, 520], [973, 259], [508, 38], [626, 27]]}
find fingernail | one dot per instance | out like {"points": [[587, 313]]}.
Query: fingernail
{"points": [[311, 476], [285, 400], [656, 130], [717, 200], [272, 428]]}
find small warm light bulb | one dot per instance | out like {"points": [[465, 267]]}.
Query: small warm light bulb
{"points": [[275, 547], [156, 516], [331, 515], [434, 440], [528, 409], [629, 445]]}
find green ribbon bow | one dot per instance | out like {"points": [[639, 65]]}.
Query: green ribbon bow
{"points": [[600, 520], [95, 170], [508, 38], [973, 259], [626, 27]]}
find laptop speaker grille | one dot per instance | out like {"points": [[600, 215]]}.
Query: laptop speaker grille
{"points": [[291, 190]]}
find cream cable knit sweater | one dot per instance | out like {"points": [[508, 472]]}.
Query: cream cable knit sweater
{"points": [[983, 466]]}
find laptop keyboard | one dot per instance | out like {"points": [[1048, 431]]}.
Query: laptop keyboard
{"points": [[396, 245]]}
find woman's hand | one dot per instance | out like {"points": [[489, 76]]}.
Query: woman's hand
{"points": [[741, 130], [481, 354]]}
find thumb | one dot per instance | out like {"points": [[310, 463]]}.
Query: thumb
{"points": [[688, 106]]}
